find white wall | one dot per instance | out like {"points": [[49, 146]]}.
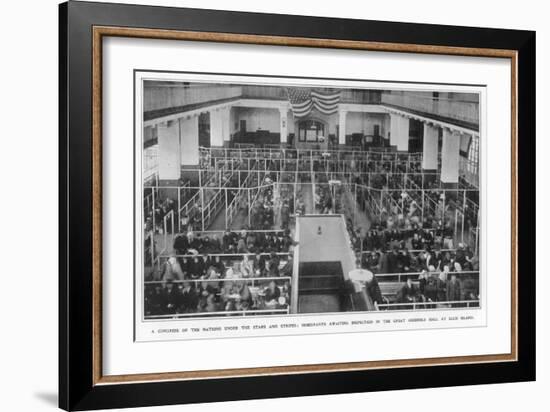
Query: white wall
{"points": [[29, 354], [363, 122], [256, 118]]}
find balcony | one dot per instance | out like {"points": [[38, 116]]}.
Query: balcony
{"points": [[456, 108]]}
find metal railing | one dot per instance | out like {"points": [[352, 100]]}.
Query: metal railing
{"points": [[429, 305], [270, 153], [401, 277], [257, 296], [244, 312]]}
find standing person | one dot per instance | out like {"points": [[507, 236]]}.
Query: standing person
{"points": [[435, 288], [383, 266], [444, 275], [285, 215], [454, 290]]}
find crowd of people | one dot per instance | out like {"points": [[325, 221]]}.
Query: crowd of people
{"points": [[431, 287], [405, 261], [262, 213], [230, 242], [402, 239], [398, 244], [230, 295], [436, 289], [215, 283]]}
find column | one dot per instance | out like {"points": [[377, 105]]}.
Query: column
{"points": [[399, 132], [169, 151], [430, 147], [394, 129], [283, 112], [450, 157], [226, 125], [403, 137], [342, 127], [189, 141], [216, 128], [189, 149]]}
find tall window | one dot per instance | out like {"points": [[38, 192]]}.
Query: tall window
{"points": [[473, 155], [471, 168]]}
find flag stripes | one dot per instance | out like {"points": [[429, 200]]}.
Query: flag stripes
{"points": [[304, 100]]}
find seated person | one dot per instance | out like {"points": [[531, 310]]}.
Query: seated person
{"points": [[244, 301], [408, 293], [272, 294]]}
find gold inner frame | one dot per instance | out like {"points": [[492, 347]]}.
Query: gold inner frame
{"points": [[101, 31]]}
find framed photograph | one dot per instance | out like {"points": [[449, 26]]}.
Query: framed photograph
{"points": [[257, 205]]}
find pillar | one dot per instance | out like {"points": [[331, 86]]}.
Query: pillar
{"points": [[394, 132], [283, 112], [342, 127], [403, 138], [225, 113], [450, 153], [169, 151], [216, 128], [399, 132], [430, 147], [189, 141], [189, 149]]}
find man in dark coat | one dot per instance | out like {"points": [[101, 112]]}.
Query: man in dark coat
{"points": [[181, 244], [454, 290], [189, 298], [408, 293]]}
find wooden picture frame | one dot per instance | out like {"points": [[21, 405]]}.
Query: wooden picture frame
{"points": [[82, 385]]}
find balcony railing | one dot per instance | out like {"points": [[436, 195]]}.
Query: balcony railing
{"points": [[449, 108]]}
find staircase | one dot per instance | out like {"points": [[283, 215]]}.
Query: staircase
{"points": [[320, 278], [321, 287]]}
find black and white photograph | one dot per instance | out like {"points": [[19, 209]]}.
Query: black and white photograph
{"points": [[274, 206], [270, 198]]}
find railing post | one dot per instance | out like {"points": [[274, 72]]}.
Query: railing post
{"points": [[202, 206], [179, 208], [249, 207], [226, 207], [153, 210], [463, 215], [173, 227], [152, 235]]}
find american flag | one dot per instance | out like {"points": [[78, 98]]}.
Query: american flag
{"points": [[304, 100]]}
